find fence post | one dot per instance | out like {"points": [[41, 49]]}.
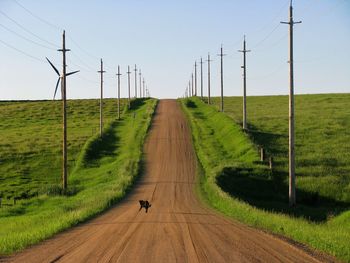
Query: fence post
{"points": [[262, 154], [271, 163]]}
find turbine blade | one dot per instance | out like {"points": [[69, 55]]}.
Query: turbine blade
{"points": [[58, 73], [58, 81], [71, 73]]}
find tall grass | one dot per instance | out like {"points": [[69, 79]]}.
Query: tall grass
{"points": [[105, 169], [236, 183]]}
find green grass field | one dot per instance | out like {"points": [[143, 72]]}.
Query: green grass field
{"points": [[101, 170], [238, 184], [322, 141], [31, 143]]}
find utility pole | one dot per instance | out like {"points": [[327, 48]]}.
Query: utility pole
{"points": [[193, 94], [62, 78], [195, 78], [140, 83], [118, 74], [208, 60], [201, 78], [143, 85], [189, 88], [135, 81], [292, 198], [101, 71], [222, 80], [244, 51], [129, 72], [64, 105]]}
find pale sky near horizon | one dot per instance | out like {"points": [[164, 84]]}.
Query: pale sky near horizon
{"points": [[164, 38]]}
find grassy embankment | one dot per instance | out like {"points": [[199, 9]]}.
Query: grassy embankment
{"points": [[101, 170], [237, 184]]}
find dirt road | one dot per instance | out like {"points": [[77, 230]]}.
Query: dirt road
{"points": [[177, 228]]}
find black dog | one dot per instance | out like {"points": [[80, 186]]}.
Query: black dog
{"points": [[145, 204]]}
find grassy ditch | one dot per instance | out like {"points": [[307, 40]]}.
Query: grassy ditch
{"points": [[104, 171], [236, 183]]}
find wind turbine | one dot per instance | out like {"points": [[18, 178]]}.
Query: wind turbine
{"points": [[62, 78]]}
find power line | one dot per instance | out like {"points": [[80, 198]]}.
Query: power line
{"points": [[83, 62], [78, 65], [58, 28], [27, 39], [22, 52], [83, 50], [28, 31], [328, 11], [88, 80], [37, 17], [267, 36], [276, 17], [86, 66], [234, 44], [284, 36], [53, 26]]}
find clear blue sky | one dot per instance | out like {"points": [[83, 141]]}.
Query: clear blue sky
{"points": [[164, 38]]}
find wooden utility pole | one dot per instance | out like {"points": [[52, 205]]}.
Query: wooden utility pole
{"points": [[101, 71], [119, 74], [64, 106], [140, 74], [244, 51], [135, 81], [208, 60], [143, 86], [62, 78], [222, 79], [129, 72], [193, 94], [195, 78], [292, 197], [201, 78]]}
